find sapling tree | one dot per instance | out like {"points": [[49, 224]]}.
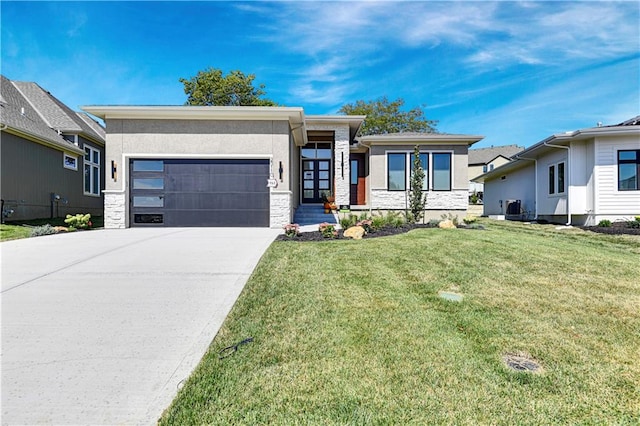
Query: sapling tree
{"points": [[417, 198]]}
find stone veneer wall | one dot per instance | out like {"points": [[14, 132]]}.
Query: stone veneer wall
{"points": [[445, 200], [280, 208], [115, 209], [340, 153]]}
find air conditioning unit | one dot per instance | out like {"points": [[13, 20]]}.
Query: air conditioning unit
{"points": [[514, 207]]}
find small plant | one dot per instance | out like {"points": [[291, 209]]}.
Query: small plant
{"points": [[433, 222], [395, 219], [348, 221], [366, 225], [451, 217], [43, 230], [604, 223], [637, 218], [79, 221], [292, 230], [474, 198], [378, 222], [470, 219], [634, 223], [327, 230]]}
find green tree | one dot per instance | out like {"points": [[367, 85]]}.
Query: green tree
{"points": [[417, 198], [384, 116], [212, 87]]}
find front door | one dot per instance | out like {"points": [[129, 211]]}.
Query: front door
{"points": [[316, 180]]}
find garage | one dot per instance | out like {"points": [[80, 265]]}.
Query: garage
{"points": [[199, 192]]}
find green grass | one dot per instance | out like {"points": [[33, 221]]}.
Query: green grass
{"points": [[22, 229], [353, 332]]}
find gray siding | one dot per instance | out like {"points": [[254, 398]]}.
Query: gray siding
{"points": [[31, 172]]}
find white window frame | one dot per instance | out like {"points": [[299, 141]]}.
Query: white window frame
{"points": [[556, 179], [408, 164], [91, 166], [67, 165]]}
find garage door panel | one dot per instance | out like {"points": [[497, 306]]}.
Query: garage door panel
{"points": [[199, 192]]}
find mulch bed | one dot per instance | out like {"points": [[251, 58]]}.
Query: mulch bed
{"points": [[383, 232], [616, 228]]}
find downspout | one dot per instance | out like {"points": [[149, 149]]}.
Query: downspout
{"points": [[567, 177], [535, 170]]}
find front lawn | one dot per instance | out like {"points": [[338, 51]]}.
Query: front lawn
{"points": [[353, 332]]}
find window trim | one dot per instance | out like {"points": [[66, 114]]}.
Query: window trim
{"points": [[92, 167], [66, 156], [636, 162], [554, 185]]}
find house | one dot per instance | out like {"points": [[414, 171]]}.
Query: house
{"points": [[255, 166], [52, 157], [578, 177], [483, 160]]}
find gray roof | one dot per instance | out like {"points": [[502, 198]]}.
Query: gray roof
{"points": [[28, 109], [635, 121], [485, 155]]}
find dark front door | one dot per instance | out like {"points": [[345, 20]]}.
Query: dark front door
{"points": [[316, 180], [185, 192]]}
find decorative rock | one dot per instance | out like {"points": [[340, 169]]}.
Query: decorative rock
{"points": [[446, 224], [355, 232]]}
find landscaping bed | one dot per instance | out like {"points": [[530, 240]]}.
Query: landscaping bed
{"points": [[616, 228]]}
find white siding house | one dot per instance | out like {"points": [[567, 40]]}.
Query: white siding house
{"points": [[578, 177]]}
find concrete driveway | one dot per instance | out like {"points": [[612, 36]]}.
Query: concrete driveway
{"points": [[100, 327]]}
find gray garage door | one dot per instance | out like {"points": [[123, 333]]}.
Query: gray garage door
{"points": [[185, 192]]}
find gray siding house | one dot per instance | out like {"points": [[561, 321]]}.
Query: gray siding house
{"points": [[52, 158], [255, 166]]}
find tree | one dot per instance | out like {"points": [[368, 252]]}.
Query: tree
{"points": [[211, 87], [385, 117], [417, 199]]}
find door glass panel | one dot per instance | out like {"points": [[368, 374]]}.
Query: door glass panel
{"points": [[148, 201], [323, 175], [354, 172], [148, 165], [323, 184], [308, 165], [626, 155], [308, 152], [308, 184], [308, 194], [323, 153], [155, 183], [323, 165], [308, 175]]}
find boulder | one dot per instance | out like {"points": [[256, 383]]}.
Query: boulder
{"points": [[355, 232], [446, 224]]}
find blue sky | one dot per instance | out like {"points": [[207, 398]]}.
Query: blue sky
{"points": [[515, 72]]}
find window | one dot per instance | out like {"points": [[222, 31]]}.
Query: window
{"points": [[442, 172], [484, 169], [70, 162], [556, 179], [629, 170], [436, 166], [91, 171], [424, 161], [397, 171]]}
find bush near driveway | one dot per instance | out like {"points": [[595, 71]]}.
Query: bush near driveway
{"points": [[353, 332]]}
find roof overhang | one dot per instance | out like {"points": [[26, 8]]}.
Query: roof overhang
{"points": [[60, 146], [354, 121], [294, 115], [419, 139]]}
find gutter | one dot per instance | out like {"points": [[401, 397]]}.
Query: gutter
{"points": [[567, 176], [535, 168]]}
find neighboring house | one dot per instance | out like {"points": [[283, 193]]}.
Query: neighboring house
{"points": [[254, 166], [483, 160], [52, 158], [578, 177]]}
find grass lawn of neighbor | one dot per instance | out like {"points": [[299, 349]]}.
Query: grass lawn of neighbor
{"points": [[354, 332]]}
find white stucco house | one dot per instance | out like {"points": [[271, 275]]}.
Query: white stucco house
{"points": [[578, 177], [255, 166]]}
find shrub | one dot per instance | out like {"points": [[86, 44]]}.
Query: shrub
{"points": [[79, 221], [470, 219], [348, 221], [417, 197], [366, 225], [43, 230], [292, 230], [634, 223], [604, 223], [378, 222], [394, 219], [327, 230]]}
